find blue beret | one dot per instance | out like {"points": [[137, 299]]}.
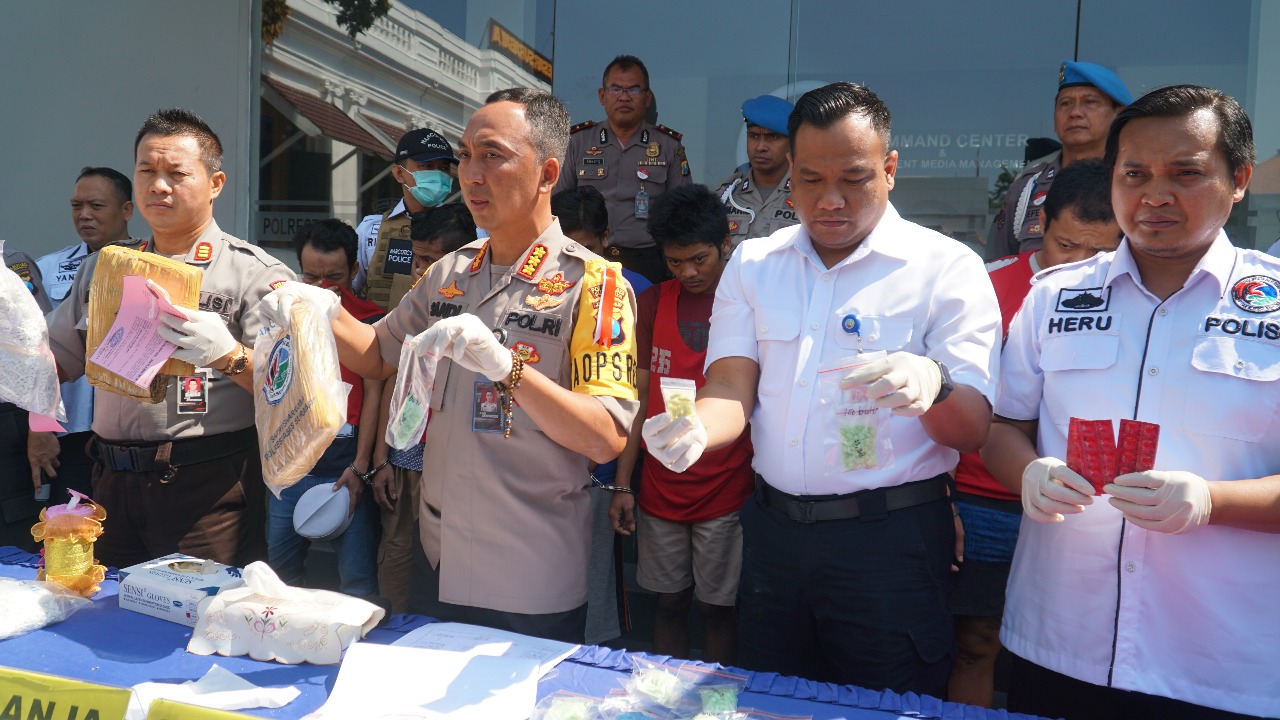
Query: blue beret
{"points": [[1072, 74], [768, 111]]}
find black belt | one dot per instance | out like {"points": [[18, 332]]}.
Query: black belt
{"points": [[864, 503], [169, 456]]}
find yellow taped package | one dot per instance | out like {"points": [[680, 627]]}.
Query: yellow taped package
{"points": [[180, 280], [300, 401]]}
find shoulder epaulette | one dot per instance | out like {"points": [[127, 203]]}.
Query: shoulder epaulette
{"points": [[671, 132], [581, 126]]}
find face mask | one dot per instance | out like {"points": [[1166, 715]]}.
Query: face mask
{"points": [[431, 187]]}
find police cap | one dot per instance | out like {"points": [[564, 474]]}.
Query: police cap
{"points": [[768, 111], [424, 145], [1072, 73]]}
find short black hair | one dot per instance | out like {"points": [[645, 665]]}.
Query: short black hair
{"points": [[1084, 189], [825, 106], [581, 208], [451, 223], [625, 63], [547, 117], [327, 236], [688, 215], [176, 121], [1235, 131], [121, 184]]}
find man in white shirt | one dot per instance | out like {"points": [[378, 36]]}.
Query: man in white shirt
{"points": [[101, 206], [1160, 601], [845, 570]]}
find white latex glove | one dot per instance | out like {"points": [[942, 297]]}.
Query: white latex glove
{"points": [[904, 382], [275, 305], [202, 338], [470, 343], [1168, 501], [676, 442], [1051, 490]]}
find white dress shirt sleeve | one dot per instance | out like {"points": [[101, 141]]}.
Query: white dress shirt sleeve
{"points": [[964, 325], [732, 318]]}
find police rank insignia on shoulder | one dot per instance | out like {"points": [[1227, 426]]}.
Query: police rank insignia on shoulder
{"points": [[204, 251], [542, 302], [275, 284], [555, 285], [452, 291], [532, 261], [671, 132], [581, 126], [478, 261]]}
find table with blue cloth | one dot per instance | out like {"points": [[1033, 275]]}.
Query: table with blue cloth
{"points": [[110, 646]]}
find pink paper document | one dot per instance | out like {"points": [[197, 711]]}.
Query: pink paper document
{"points": [[132, 348]]}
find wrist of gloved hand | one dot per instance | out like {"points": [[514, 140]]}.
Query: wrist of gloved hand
{"points": [[276, 304], [470, 343]]}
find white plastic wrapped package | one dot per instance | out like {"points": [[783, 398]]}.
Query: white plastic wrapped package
{"points": [[28, 375], [411, 400], [28, 605], [300, 402]]}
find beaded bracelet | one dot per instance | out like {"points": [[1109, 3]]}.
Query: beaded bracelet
{"points": [[507, 393]]}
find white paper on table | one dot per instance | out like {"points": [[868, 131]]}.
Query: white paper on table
{"points": [[219, 689], [132, 348], [380, 682], [460, 637]]}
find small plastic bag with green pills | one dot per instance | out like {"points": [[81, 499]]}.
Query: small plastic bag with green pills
{"points": [[855, 433], [564, 705]]}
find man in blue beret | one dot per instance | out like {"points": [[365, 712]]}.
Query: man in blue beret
{"points": [[758, 194], [1089, 97]]}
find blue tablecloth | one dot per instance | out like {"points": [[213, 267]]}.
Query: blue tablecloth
{"points": [[104, 644]]}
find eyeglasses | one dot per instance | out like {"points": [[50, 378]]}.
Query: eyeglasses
{"points": [[633, 91]]}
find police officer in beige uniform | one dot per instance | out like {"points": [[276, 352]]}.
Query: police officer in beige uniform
{"points": [[181, 475], [1089, 97], [527, 316], [424, 168], [629, 161], [15, 493], [758, 194]]}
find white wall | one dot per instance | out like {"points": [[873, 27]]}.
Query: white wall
{"points": [[79, 78]]}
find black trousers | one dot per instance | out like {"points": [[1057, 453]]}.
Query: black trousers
{"points": [[860, 601], [1039, 691], [18, 508], [424, 599]]}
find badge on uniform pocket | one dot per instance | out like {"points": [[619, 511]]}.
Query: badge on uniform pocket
{"points": [[486, 411], [193, 394]]}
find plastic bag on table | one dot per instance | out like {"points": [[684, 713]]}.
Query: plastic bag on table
{"points": [[563, 705], [710, 692], [28, 375], [301, 401], [856, 430], [411, 399], [27, 605]]}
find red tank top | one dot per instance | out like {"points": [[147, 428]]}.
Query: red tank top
{"points": [[720, 482]]}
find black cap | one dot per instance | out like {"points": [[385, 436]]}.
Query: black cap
{"points": [[424, 145]]}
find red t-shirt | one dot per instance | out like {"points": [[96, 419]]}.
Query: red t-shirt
{"points": [[1011, 277], [671, 329], [364, 311]]}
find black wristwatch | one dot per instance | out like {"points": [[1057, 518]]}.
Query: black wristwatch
{"points": [[947, 385]]}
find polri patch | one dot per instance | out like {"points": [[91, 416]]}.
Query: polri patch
{"points": [[1096, 299], [528, 352], [1256, 294]]}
